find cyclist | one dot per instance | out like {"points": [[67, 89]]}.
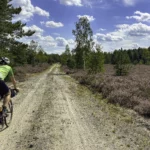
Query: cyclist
{"points": [[6, 71]]}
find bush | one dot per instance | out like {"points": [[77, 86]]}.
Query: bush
{"points": [[143, 108], [71, 63], [120, 97], [122, 69]]}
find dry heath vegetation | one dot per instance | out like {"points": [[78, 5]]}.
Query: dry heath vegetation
{"points": [[21, 72], [132, 91]]}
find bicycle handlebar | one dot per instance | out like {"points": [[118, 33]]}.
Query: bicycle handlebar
{"points": [[14, 92]]}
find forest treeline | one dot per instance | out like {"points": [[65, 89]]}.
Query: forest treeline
{"points": [[134, 56]]}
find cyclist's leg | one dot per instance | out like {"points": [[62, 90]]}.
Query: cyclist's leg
{"points": [[6, 99], [5, 93]]}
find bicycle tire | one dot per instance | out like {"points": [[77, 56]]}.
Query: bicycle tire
{"points": [[2, 122], [8, 118]]}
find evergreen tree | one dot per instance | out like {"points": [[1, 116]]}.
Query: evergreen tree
{"points": [[107, 58], [10, 31], [19, 53], [96, 60], [122, 61]]}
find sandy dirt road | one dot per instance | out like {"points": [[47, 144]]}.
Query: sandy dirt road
{"points": [[54, 112]]}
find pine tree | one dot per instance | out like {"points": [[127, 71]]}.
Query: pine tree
{"points": [[96, 60], [122, 63], [10, 31]]}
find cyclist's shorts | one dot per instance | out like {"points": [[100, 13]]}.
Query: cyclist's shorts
{"points": [[3, 88]]}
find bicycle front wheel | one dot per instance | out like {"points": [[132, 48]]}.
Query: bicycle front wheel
{"points": [[9, 116]]}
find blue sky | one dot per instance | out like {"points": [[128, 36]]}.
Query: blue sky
{"points": [[115, 23]]}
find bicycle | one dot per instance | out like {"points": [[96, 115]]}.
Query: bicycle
{"points": [[6, 118]]}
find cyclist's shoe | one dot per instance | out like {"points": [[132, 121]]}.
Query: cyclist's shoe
{"points": [[5, 111]]}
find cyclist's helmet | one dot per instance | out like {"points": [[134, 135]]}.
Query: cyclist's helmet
{"points": [[4, 60]]}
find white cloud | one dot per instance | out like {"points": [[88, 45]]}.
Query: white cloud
{"points": [[38, 30], [71, 2], [38, 34], [28, 10], [61, 41], [41, 12], [103, 4], [48, 43], [129, 2], [101, 29], [135, 45], [47, 38], [125, 36], [90, 18], [139, 16], [107, 37], [122, 26], [71, 41], [52, 44], [137, 29], [42, 22], [53, 24]]}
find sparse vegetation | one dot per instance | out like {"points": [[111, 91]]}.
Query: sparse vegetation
{"points": [[21, 72], [132, 91]]}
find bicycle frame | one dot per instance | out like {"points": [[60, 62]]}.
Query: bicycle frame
{"points": [[5, 119]]}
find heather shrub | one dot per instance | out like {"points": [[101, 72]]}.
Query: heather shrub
{"points": [[86, 79], [97, 82], [79, 75], [134, 101], [132, 91], [120, 97], [67, 70], [105, 89], [143, 108], [83, 80], [37, 68], [22, 71]]}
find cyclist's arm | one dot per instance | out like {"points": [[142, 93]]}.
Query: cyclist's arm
{"points": [[13, 81], [12, 78]]}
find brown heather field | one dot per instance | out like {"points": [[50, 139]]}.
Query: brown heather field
{"points": [[22, 72], [132, 91]]}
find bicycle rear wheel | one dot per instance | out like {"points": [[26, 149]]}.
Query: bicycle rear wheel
{"points": [[9, 116], [2, 122]]}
